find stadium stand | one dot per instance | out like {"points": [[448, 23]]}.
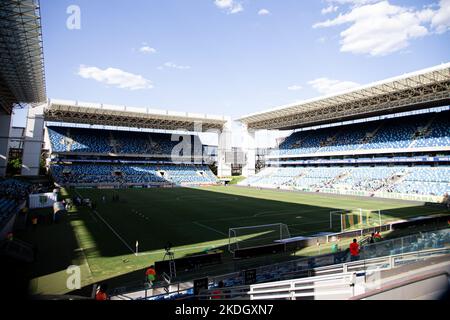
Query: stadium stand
{"points": [[424, 180], [82, 140], [383, 166], [12, 193], [429, 130], [15, 189], [131, 174]]}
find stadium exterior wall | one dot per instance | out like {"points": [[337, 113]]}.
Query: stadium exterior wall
{"points": [[34, 139], [249, 149], [5, 127]]}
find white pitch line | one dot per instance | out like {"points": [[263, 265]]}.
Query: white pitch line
{"points": [[111, 228], [114, 231], [186, 249], [209, 228], [263, 214]]}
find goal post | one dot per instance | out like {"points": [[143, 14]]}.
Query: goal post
{"points": [[259, 235], [351, 219]]}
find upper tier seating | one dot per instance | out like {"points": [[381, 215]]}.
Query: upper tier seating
{"points": [[426, 130], [82, 140]]}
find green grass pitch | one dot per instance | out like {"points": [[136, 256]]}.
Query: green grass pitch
{"points": [[192, 219]]}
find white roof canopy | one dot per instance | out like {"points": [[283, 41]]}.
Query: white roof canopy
{"points": [[428, 87], [22, 77], [124, 116]]}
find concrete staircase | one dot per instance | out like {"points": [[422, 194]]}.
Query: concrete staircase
{"points": [[421, 132], [369, 136]]}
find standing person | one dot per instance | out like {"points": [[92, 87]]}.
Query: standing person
{"points": [[354, 250], [217, 293], [377, 237], [101, 293], [372, 238], [150, 275], [335, 252]]}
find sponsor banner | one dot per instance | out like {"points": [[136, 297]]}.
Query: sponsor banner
{"points": [[42, 200]]}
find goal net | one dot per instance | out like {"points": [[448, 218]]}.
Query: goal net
{"points": [[352, 219], [254, 236]]}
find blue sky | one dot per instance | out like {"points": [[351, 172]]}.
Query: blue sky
{"points": [[234, 57]]}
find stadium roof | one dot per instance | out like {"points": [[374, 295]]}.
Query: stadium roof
{"points": [[123, 116], [425, 88], [22, 77]]}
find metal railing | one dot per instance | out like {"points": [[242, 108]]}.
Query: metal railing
{"points": [[328, 286], [340, 281], [424, 243], [411, 243]]}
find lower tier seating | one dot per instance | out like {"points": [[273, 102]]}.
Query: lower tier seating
{"points": [[134, 174], [423, 180]]}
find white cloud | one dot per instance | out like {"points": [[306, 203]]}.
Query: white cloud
{"points": [[378, 29], [147, 49], [329, 9], [263, 12], [230, 6], [115, 77], [295, 87], [353, 2], [441, 18], [329, 86], [173, 66]]}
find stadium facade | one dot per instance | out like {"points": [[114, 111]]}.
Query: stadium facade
{"points": [[389, 139], [350, 142], [386, 139]]}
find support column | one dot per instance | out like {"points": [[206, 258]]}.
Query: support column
{"points": [[224, 166], [249, 146], [33, 140], [5, 128]]}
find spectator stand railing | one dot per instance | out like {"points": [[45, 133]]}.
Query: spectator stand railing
{"points": [[371, 256]]}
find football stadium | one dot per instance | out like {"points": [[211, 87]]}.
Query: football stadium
{"points": [[112, 201]]}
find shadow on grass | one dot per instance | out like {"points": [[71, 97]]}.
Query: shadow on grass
{"points": [[193, 220]]}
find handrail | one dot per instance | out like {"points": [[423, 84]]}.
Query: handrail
{"points": [[401, 284], [291, 289], [386, 263], [322, 269]]}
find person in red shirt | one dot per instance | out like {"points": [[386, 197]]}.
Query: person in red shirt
{"points": [[217, 294], [377, 237], [354, 250], [150, 274], [101, 293]]}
